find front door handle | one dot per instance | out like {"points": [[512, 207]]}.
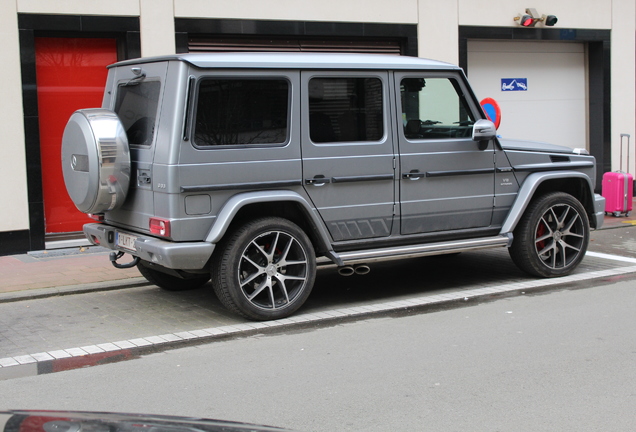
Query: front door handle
{"points": [[318, 180], [412, 175]]}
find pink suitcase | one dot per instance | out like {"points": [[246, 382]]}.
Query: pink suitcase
{"points": [[618, 187], [618, 190]]}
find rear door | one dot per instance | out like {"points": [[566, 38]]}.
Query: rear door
{"points": [[348, 152], [447, 180], [137, 102]]}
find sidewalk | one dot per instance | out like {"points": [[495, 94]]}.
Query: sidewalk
{"points": [[45, 273], [53, 272]]}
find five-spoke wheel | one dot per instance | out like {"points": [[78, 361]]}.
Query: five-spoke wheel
{"points": [[552, 236], [265, 269]]}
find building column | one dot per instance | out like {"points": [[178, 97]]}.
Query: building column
{"points": [[156, 23], [437, 30], [13, 193], [623, 93]]}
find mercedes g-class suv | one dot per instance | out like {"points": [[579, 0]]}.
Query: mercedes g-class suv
{"points": [[253, 168]]}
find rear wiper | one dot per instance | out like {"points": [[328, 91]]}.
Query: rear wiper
{"points": [[141, 74]]}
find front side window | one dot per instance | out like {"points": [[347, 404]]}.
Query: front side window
{"points": [[345, 109], [434, 108], [136, 107], [241, 112]]}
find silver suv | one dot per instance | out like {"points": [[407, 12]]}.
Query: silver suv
{"points": [[253, 168]]}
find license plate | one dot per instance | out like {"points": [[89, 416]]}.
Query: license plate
{"points": [[126, 241]]}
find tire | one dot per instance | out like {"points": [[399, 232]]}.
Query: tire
{"points": [[169, 282], [265, 269], [95, 160], [552, 236]]}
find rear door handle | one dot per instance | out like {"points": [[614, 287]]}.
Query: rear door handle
{"points": [[318, 180], [412, 175]]}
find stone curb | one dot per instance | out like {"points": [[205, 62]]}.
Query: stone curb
{"points": [[39, 293]]}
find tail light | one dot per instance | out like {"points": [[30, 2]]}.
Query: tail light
{"points": [[96, 217], [160, 227]]}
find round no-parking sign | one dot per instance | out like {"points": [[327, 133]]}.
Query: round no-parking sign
{"points": [[492, 110]]}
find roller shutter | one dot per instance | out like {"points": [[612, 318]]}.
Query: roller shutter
{"points": [[225, 44]]}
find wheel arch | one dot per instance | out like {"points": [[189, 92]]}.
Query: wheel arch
{"points": [[576, 184], [285, 204]]}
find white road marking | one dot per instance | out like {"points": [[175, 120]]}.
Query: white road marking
{"points": [[610, 257]]}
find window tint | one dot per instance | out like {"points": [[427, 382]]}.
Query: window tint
{"points": [[136, 107], [241, 111], [434, 108], [345, 109]]}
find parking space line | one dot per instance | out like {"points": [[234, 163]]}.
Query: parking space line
{"points": [[610, 257]]}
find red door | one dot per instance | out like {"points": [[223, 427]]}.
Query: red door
{"points": [[71, 74]]}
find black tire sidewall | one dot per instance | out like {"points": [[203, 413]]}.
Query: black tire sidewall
{"points": [[227, 259], [523, 251]]}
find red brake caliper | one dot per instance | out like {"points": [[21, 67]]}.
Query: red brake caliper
{"points": [[541, 230]]}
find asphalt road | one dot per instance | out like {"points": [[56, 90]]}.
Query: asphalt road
{"points": [[558, 361]]}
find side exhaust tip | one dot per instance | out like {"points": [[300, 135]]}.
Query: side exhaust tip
{"points": [[362, 269], [346, 271]]}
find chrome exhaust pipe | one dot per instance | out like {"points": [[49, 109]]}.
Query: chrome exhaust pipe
{"points": [[362, 269], [346, 271]]}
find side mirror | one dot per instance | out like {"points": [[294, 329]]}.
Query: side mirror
{"points": [[484, 131]]}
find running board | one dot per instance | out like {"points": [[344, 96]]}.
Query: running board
{"points": [[400, 252]]}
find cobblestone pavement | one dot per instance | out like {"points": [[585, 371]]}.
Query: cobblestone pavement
{"points": [[135, 317], [34, 331]]}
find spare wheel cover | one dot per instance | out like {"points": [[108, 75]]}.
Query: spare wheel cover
{"points": [[95, 160]]}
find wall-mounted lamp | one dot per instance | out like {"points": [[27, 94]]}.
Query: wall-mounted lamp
{"points": [[532, 17]]}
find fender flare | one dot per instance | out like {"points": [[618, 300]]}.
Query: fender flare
{"points": [[527, 191], [237, 202]]}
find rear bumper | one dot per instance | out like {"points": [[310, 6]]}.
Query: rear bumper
{"points": [[173, 255], [599, 211]]}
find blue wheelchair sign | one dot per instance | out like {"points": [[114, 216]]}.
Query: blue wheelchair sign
{"points": [[514, 84]]}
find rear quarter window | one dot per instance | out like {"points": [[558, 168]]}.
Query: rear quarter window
{"points": [[242, 111]]}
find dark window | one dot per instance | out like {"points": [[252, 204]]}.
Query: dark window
{"points": [[242, 111], [137, 109], [345, 109], [434, 108]]}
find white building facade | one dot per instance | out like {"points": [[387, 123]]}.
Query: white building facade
{"points": [[572, 83]]}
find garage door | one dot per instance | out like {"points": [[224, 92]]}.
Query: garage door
{"points": [[540, 86]]}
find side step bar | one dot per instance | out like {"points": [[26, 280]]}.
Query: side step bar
{"points": [[399, 252]]}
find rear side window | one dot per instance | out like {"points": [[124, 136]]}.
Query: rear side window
{"points": [[345, 109], [136, 107], [241, 112]]}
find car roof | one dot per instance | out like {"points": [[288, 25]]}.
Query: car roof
{"points": [[295, 60]]}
